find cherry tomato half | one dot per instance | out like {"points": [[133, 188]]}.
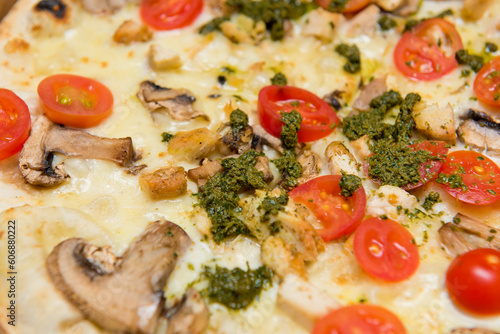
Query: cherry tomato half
{"points": [[385, 249], [428, 52], [361, 318], [170, 14], [75, 101], [480, 175], [339, 215], [352, 6], [15, 123], [473, 281], [318, 118], [487, 83]]}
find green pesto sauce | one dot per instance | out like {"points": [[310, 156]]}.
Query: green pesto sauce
{"points": [[454, 181], [464, 58], [236, 288], [490, 47], [349, 183], [351, 53], [273, 13], [279, 79], [370, 122], [386, 23], [238, 120], [431, 199], [165, 137], [219, 196], [287, 164], [271, 207], [213, 25]]}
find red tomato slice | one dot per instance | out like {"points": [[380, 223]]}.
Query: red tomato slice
{"points": [[75, 101], [352, 6], [473, 281], [357, 319], [418, 54], [15, 123], [479, 174], [170, 14], [318, 118], [487, 83], [339, 215], [385, 249]]}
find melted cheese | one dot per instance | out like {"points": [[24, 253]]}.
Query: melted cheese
{"points": [[112, 201]]}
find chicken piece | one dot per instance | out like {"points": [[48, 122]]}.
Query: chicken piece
{"points": [[243, 30], [130, 31], [391, 201], [361, 147], [311, 165], [321, 24], [192, 145], [162, 58], [389, 5], [304, 302], [164, 183], [365, 22], [279, 256], [473, 10], [340, 159], [441, 128], [370, 91]]}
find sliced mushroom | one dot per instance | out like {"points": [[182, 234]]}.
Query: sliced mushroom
{"points": [[128, 298], [473, 331], [480, 130], [311, 165], [231, 143], [177, 102], [105, 6], [35, 161], [190, 316], [271, 140], [370, 91], [365, 22], [168, 182], [466, 234], [130, 31], [340, 159], [334, 99]]}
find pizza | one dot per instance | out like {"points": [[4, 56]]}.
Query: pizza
{"points": [[231, 166]]}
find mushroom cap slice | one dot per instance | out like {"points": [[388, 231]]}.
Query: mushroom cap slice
{"points": [[126, 297]]}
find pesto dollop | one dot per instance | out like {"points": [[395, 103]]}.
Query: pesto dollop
{"points": [[279, 79], [219, 196], [238, 120], [237, 288], [351, 52], [431, 199], [213, 25], [165, 137], [454, 181], [287, 164], [349, 183], [271, 207], [386, 23], [464, 58]]}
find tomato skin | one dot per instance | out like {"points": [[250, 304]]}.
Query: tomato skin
{"points": [[90, 102], [418, 58], [480, 174], [487, 83], [170, 14], [273, 99], [352, 6], [384, 249], [473, 281], [328, 205], [15, 123], [361, 318]]}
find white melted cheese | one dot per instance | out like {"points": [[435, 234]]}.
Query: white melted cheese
{"points": [[113, 200]]}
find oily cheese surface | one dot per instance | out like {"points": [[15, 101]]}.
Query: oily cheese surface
{"points": [[105, 205]]}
